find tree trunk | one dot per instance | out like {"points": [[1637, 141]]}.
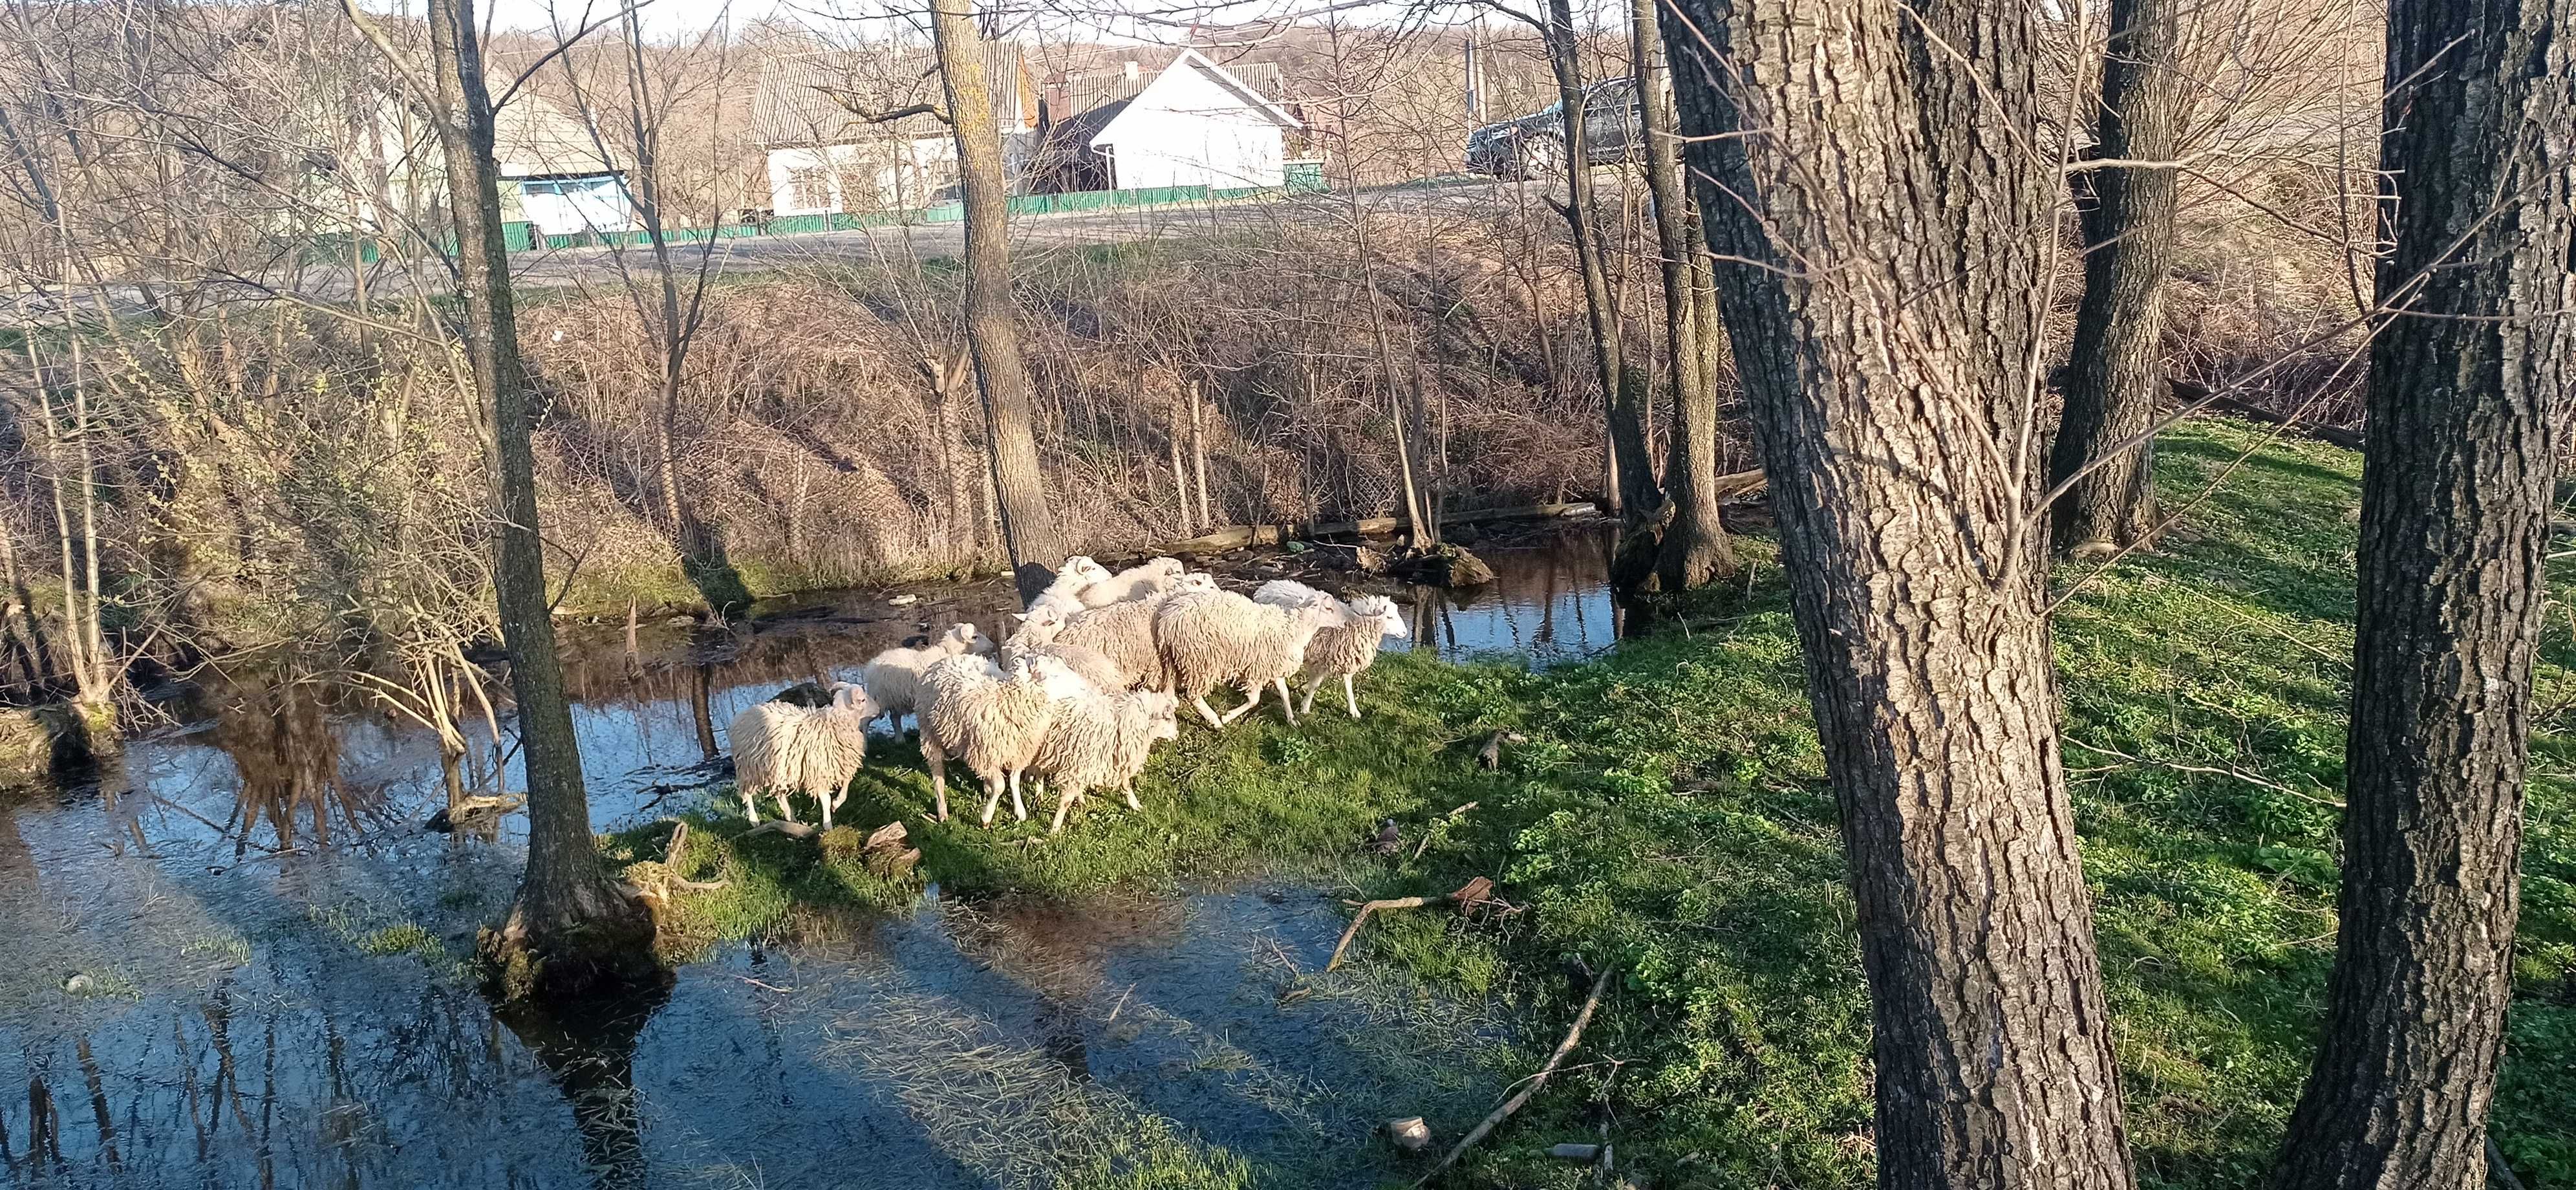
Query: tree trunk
{"points": [[2113, 381], [1895, 248], [1180, 473], [1198, 452], [1623, 393], [1028, 525], [2466, 403], [1694, 548], [571, 927]]}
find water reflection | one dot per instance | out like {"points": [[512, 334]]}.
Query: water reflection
{"points": [[1549, 602]]}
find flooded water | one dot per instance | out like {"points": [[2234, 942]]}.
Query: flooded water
{"points": [[236, 963]]}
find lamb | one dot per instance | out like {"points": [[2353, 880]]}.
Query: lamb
{"points": [[1101, 740], [893, 677], [1348, 650], [1213, 638], [1135, 582], [993, 719], [785, 749], [1077, 573]]}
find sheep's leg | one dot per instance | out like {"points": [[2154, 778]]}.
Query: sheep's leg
{"points": [[1350, 696], [938, 762], [1251, 699], [1308, 708], [1063, 804], [785, 811], [1019, 809], [1287, 705], [1200, 701], [750, 809], [994, 783], [1130, 790]]}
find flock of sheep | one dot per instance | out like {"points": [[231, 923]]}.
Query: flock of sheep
{"points": [[1093, 676]]}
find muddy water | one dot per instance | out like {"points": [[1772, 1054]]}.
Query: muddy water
{"points": [[237, 963]]}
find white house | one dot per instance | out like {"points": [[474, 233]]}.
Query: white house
{"points": [[1194, 124], [824, 156], [568, 182]]}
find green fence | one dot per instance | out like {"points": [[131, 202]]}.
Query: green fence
{"points": [[1024, 204]]}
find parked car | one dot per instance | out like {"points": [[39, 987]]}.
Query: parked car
{"points": [[1533, 146]]}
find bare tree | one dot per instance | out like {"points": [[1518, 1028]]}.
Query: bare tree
{"points": [[2114, 384], [1882, 261], [1694, 548], [2470, 384], [1029, 527], [571, 926]]}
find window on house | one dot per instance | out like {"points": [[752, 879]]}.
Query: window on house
{"points": [[810, 187]]}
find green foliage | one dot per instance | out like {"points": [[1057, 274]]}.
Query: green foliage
{"points": [[1668, 812]]}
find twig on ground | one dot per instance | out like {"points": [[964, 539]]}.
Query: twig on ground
{"points": [[2218, 771], [1572, 1037], [1474, 892]]}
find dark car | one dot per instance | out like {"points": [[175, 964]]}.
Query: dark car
{"points": [[1533, 146]]}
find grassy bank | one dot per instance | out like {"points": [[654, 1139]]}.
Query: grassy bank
{"points": [[1668, 813]]}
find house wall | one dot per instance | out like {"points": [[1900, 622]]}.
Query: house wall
{"points": [[876, 176], [1186, 130]]}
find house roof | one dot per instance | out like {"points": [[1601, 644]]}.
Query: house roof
{"points": [[534, 138], [1088, 90], [801, 97], [1195, 60]]}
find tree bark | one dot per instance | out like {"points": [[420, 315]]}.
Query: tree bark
{"points": [[2113, 381], [1623, 392], [571, 927], [1695, 548], [1029, 527], [2467, 399], [1883, 294]]}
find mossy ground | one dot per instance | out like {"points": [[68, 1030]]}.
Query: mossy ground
{"points": [[1668, 813]]}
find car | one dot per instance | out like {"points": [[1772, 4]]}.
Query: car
{"points": [[1533, 146]]}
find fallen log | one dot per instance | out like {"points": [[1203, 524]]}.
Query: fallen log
{"points": [[1239, 536]]}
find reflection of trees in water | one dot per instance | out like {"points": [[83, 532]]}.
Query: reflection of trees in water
{"points": [[279, 736], [590, 1053]]}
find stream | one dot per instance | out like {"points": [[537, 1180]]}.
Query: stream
{"points": [[237, 961]]}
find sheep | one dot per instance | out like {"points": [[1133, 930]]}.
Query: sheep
{"points": [[993, 719], [1348, 650], [893, 677], [1077, 573], [785, 749], [1135, 582], [1122, 632], [1101, 740], [1096, 671], [1213, 638]]}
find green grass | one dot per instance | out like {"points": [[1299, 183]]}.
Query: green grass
{"points": [[1668, 812]]}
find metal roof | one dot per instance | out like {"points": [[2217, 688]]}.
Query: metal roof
{"points": [[1092, 89]]}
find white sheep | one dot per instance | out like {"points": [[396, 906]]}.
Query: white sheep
{"points": [[1077, 573], [994, 720], [893, 677], [1096, 671], [1218, 638], [784, 749], [1121, 632], [1136, 582], [1347, 650], [1101, 741]]}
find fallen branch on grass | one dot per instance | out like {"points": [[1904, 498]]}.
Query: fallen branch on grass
{"points": [[1536, 1081], [1474, 892], [671, 860], [1425, 844], [2218, 771]]}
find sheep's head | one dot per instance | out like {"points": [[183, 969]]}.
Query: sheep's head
{"points": [[1083, 568], [964, 637], [1167, 568], [850, 698], [1381, 609], [1038, 625], [1196, 580], [1163, 710], [1320, 614]]}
